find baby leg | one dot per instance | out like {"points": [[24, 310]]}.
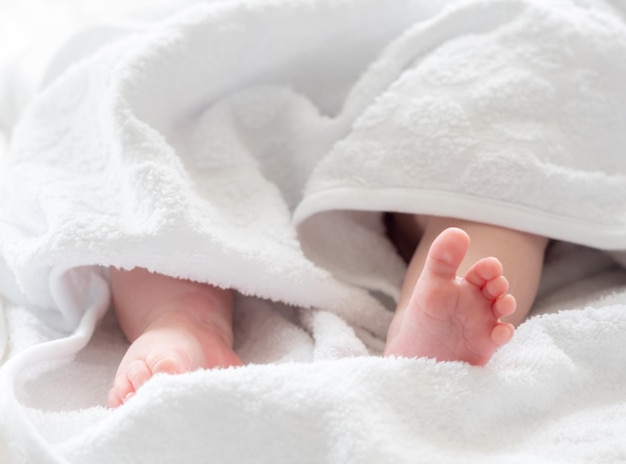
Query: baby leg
{"points": [[174, 326], [446, 317]]}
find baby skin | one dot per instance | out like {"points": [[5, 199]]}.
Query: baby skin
{"points": [[454, 305]]}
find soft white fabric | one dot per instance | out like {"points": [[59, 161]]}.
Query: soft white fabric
{"points": [[225, 145], [555, 394]]}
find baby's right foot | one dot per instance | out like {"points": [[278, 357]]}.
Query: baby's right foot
{"points": [[452, 318], [177, 342]]}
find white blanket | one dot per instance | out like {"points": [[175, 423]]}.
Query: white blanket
{"points": [[254, 145]]}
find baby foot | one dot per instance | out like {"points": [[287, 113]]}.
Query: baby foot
{"points": [[450, 318], [176, 343]]}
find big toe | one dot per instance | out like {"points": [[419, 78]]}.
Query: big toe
{"points": [[170, 363], [447, 252]]}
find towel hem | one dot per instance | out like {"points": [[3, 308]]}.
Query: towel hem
{"points": [[450, 204]]}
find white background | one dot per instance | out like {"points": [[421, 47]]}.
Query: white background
{"points": [[29, 32]]}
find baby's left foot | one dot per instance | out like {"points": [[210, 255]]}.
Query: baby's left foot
{"points": [[451, 318], [175, 343]]}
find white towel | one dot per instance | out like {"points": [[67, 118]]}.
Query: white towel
{"points": [[254, 145]]}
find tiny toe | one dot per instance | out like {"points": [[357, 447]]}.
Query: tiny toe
{"points": [[495, 288], [138, 373], [483, 271], [121, 388], [447, 252], [502, 333], [504, 306], [112, 399]]}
